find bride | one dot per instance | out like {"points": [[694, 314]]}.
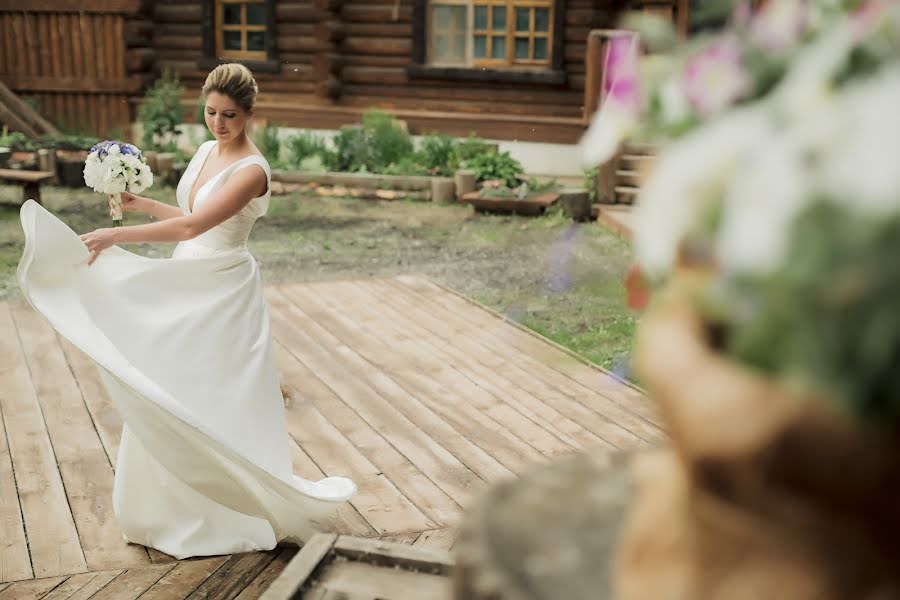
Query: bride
{"points": [[185, 350]]}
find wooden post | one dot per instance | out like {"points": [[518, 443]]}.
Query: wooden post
{"points": [[442, 189], [47, 162], [465, 182]]}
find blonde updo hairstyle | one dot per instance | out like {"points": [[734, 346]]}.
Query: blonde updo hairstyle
{"points": [[235, 81]]}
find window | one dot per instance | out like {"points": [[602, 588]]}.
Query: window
{"points": [[241, 29], [490, 33]]}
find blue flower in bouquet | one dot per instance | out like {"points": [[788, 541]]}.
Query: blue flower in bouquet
{"points": [[102, 149]]}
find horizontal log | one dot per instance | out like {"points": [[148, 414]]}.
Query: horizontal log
{"points": [[330, 32], [362, 180], [194, 29], [295, 29], [369, 60], [376, 14], [138, 32], [331, 6], [375, 75], [361, 96], [574, 52], [178, 13], [165, 53], [576, 34], [178, 42], [84, 85], [297, 43], [327, 63], [73, 6], [376, 30], [297, 57], [455, 90], [139, 59], [379, 46], [296, 12], [330, 88]]}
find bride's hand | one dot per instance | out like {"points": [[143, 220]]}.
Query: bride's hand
{"points": [[97, 241], [130, 203]]}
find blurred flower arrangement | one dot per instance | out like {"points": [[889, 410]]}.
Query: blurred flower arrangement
{"points": [[114, 167], [776, 188]]}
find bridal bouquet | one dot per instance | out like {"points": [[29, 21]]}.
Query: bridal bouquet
{"points": [[777, 189], [114, 167]]}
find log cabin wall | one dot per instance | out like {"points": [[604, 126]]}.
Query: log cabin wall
{"points": [[79, 63], [339, 58]]}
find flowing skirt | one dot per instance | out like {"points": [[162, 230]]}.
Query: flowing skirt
{"points": [[184, 348]]}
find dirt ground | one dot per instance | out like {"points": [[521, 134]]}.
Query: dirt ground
{"points": [[563, 280]]}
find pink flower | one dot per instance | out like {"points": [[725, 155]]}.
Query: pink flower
{"points": [[620, 83], [867, 17], [620, 103], [715, 77], [779, 24]]}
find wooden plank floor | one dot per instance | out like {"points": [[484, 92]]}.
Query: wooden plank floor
{"points": [[418, 394]]}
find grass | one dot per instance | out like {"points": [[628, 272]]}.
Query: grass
{"points": [[564, 281]]}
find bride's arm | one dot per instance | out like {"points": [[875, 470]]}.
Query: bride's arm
{"points": [[241, 187], [158, 210]]}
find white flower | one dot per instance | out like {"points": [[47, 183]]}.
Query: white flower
{"points": [[765, 196], [861, 172], [688, 179], [673, 101]]}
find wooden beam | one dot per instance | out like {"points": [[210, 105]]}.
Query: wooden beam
{"points": [[84, 85], [74, 6], [13, 104]]}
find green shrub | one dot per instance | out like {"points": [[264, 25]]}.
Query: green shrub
{"points": [[409, 165], [391, 143], [304, 145], [437, 154], [469, 148], [16, 140], [267, 141], [160, 113], [353, 152], [70, 141], [591, 181], [496, 166], [372, 146], [200, 117]]}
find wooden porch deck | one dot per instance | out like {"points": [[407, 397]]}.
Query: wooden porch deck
{"points": [[418, 394]]}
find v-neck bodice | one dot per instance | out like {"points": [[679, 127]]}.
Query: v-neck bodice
{"points": [[233, 232]]}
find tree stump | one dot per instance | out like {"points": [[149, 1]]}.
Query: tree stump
{"points": [[576, 204], [549, 535], [465, 182], [443, 189]]}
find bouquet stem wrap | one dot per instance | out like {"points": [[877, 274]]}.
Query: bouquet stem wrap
{"points": [[116, 204]]}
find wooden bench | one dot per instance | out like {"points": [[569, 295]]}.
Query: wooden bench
{"points": [[29, 180]]}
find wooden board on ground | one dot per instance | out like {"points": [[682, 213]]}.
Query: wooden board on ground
{"points": [[421, 396], [347, 567]]}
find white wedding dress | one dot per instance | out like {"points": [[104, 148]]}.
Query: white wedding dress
{"points": [[185, 350]]}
